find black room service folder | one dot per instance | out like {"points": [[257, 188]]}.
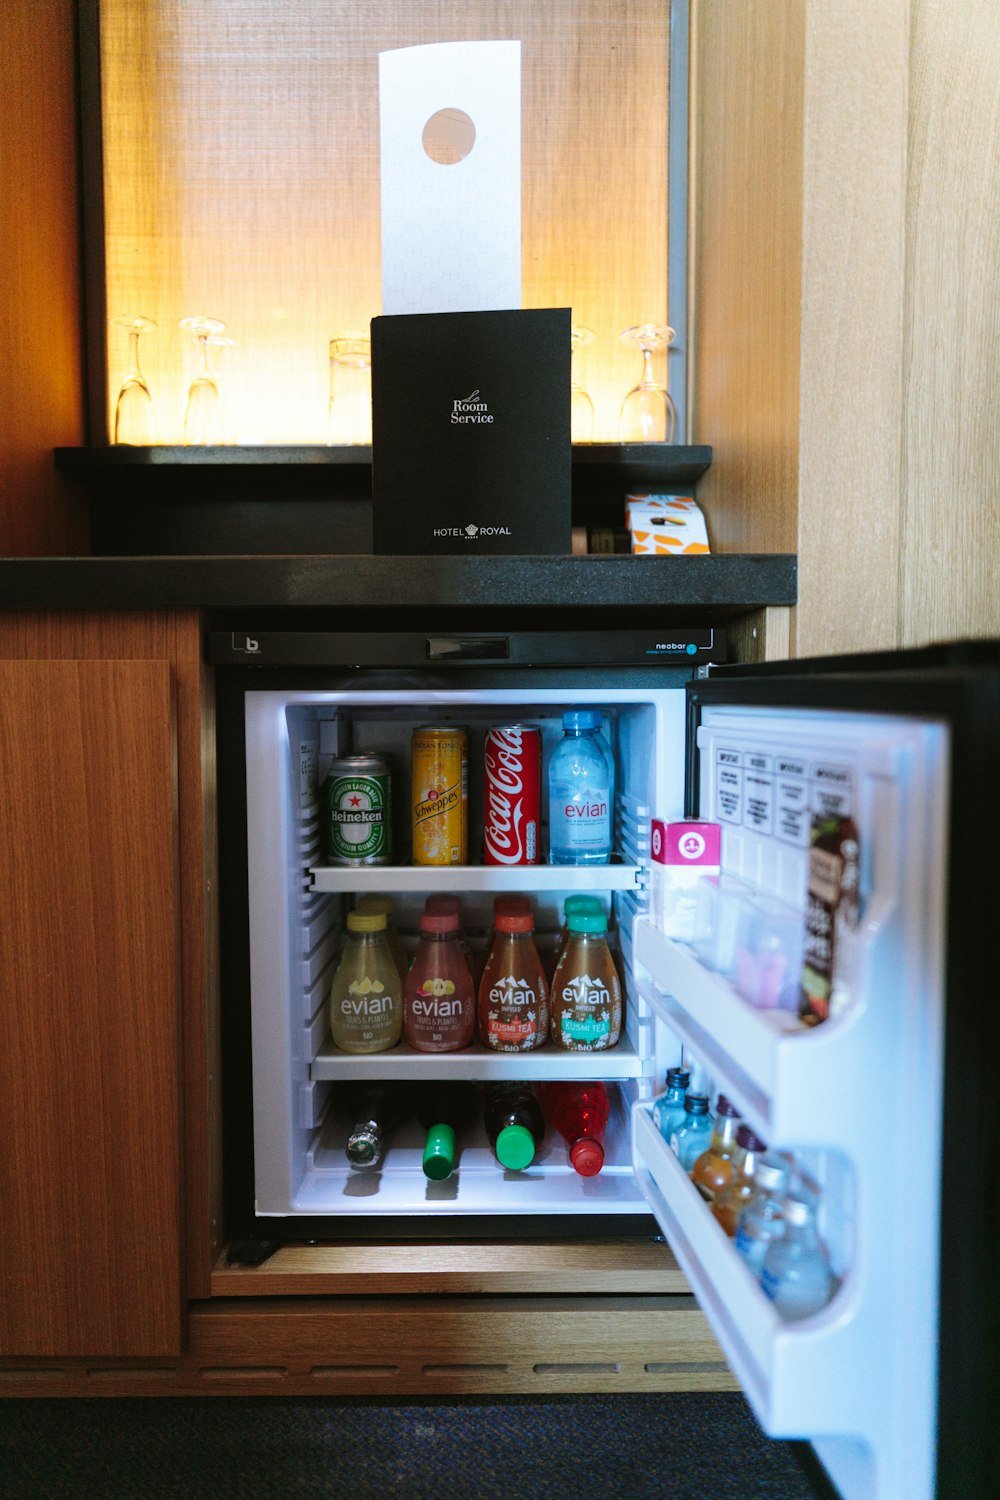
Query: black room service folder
{"points": [[471, 432]]}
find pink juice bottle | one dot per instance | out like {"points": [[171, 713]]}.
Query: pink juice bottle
{"points": [[439, 997]]}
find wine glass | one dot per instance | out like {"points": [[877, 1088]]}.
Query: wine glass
{"points": [[581, 410], [647, 414], [134, 406], [202, 416], [349, 412]]}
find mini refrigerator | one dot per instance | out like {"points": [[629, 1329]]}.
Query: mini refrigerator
{"points": [[888, 1108]]}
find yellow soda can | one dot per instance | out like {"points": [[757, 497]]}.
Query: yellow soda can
{"points": [[440, 796]]}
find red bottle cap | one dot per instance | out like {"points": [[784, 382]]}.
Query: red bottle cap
{"points": [[515, 921], [586, 1156], [438, 921], [439, 904], [504, 905]]}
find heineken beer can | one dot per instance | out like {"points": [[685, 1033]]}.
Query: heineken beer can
{"points": [[358, 810]]}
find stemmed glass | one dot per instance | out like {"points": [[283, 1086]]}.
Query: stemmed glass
{"points": [[581, 409], [134, 406], [203, 413], [647, 414]]}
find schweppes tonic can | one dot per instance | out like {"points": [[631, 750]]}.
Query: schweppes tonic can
{"points": [[440, 791], [359, 810]]}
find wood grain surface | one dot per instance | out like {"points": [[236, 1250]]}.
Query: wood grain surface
{"points": [[501, 1267], [174, 638], [951, 524], [89, 977], [41, 395]]}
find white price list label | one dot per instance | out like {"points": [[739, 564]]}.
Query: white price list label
{"points": [[792, 821], [729, 786], [832, 790], [758, 792], [307, 772]]}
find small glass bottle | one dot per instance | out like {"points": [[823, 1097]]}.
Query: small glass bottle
{"points": [[729, 1202], [668, 1109], [796, 1273], [372, 1111], [713, 1169], [690, 1137], [763, 1218], [586, 991], [366, 997]]}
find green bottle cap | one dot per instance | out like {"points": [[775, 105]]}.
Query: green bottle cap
{"points": [[439, 1153], [580, 903], [587, 921], [515, 1147]]}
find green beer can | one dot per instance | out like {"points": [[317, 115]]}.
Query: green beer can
{"points": [[358, 810]]}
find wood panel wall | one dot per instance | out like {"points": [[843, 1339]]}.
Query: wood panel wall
{"points": [[242, 182], [745, 257], [845, 263], [41, 399], [951, 459], [174, 639]]}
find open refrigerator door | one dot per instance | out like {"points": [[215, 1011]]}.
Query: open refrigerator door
{"points": [[853, 1104]]}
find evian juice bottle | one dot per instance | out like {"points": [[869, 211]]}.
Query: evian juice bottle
{"points": [[586, 994], [513, 993], [366, 1002], [513, 795], [439, 1002]]}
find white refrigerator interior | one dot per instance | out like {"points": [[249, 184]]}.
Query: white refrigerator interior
{"points": [[296, 932], [855, 1101]]}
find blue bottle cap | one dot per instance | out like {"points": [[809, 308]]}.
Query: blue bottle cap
{"points": [[582, 718]]}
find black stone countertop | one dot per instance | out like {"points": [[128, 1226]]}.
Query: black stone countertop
{"points": [[708, 589]]}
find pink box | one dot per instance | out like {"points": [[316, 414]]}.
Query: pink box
{"points": [[683, 854]]}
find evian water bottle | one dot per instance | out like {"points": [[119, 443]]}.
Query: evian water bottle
{"points": [[513, 795]]}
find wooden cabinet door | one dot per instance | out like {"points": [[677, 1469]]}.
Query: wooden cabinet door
{"points": [[89, 991]]}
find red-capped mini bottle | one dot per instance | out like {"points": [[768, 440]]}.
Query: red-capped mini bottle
{"points": [[439, 1004], [579, 1111], [513, 992]]}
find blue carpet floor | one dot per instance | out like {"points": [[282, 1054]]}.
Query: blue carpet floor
{"points": [[691, 1446]]}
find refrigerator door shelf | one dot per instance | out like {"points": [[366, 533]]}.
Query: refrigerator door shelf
{"points": [[793, 1374], [614, 877], [794, 1084], [481, 1063]]}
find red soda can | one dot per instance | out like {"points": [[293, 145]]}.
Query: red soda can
{"points": [[513, 795]]}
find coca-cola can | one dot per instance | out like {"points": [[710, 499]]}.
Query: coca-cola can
{"points": [[513, 795]]}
